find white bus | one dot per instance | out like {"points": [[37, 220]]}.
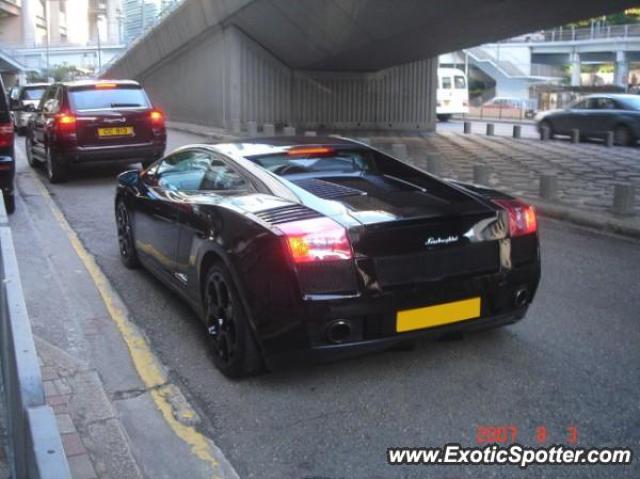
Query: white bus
{"points": [[453, 94]]}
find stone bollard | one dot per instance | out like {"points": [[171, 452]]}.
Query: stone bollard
{"points": [[236, 126], [399, 150], [481, 174], [490, 129], [517, 131], [252, 128], [434, 165], [624, 199], [467, 127], [575, 136], [609, 139], [289, 131], [310, 133], [548, 187], [269, 129], [545, 133], [366, 141]]}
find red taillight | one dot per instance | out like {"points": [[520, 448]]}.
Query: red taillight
{"points": [[314, 240], [311, 151], [522, 217], [6, 134], [157, 118], [65, 122]]}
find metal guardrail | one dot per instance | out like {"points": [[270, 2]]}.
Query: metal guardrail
{"points": [[35, 446], [569, 34]]}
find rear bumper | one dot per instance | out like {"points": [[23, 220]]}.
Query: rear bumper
{"points": [[372, 319], [112, 154]]}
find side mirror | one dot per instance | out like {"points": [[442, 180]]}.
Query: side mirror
{"points": [[129, 177]]}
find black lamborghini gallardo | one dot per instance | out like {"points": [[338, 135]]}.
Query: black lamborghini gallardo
{"points": [[294, 249]]}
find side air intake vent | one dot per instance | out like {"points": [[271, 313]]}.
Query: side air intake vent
{"points": [[284, 214], [327, 189]]}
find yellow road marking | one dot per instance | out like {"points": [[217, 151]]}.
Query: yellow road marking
{"points": [[147, 365]]}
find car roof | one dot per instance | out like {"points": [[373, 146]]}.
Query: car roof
{"points": [[620, 96], [35, 85]]}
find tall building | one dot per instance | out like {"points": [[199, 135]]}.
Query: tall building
{"points": [[138, 16], [31, 23]]}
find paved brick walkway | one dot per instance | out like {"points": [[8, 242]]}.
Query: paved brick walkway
{"points": [[586, 173]]}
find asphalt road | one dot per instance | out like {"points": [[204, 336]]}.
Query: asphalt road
{"points": [[573, 361]]}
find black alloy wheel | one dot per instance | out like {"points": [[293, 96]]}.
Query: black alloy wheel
{"points": [[128, 254]]}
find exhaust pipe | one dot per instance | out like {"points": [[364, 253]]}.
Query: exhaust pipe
{"points": [[521, 297], [338, 331]]}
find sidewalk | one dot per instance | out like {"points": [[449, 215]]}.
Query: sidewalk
{"points": [[119, 414]]}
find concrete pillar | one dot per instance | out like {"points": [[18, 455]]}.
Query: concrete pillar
{"points": [[252, 128], [490, 129], [624, 199], [545, 133], [28, 22], [548, 187], [517, 131], [434, 165], [467, 127], [575, 135], [236, 126], [621, 71], [576, 69], [113, 33], [399, 150], [481, 174], [609, 139], [289, 131], [269, 129]]}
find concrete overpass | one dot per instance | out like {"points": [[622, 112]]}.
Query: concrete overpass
{"points": [[340, 63]]}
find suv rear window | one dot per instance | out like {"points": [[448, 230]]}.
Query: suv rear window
{"points": [[32, 93], [108, 98]]}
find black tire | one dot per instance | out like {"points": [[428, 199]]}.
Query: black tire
{"points": [[9, 202], [444, 117], [622, 136], [234, 348], [21, 130], [547, 124], [28, 147], [126, 244], [56, 171]]}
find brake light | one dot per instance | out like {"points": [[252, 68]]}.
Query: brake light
{"points": [[65, 122], [522, 217], [318, 239], [106, 86], [157, 118], [6, 134], [311, 150]]}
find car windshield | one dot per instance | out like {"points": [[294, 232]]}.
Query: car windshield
{"points": [[632, 103], [108, 98], [341, 162], [32, 93]]}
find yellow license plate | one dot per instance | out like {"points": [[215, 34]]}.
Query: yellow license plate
{"points": [[438, 315], [116, 131]]}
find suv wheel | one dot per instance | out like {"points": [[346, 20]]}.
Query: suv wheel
{"points": [[56, 172], [29, 150]]}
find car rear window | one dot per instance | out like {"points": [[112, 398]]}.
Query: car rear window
{"points": [[34, 93], [337, 162], [108, 98]]}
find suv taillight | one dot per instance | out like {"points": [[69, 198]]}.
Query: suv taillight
{"points": [[65, 123], [522, 217], [318, 239], [157, 118], [6, 134]]}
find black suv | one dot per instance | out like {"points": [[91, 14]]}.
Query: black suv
{"points": [[7, 162], [94, 121]]}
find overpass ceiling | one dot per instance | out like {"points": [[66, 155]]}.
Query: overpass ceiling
{"points": [[368, 35]]}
